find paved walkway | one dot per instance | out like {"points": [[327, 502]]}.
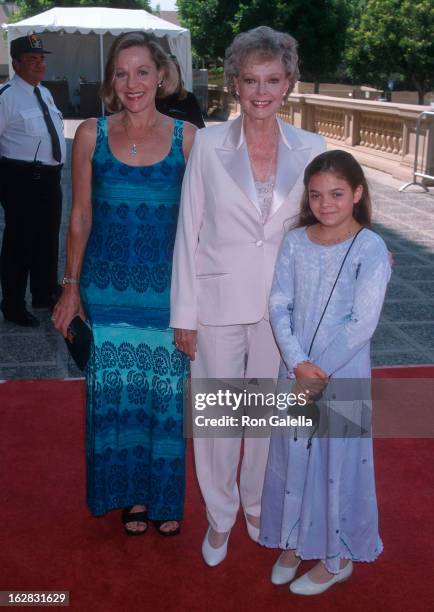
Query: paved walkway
{"points": [[406, 331]]}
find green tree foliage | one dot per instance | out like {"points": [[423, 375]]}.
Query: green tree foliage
{"points": [[211, 24], [389, 37], [28, 8], [318, 26]]}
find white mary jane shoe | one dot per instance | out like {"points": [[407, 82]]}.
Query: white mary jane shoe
{"points": [[213, 556], [281, 574], [306, 586]]}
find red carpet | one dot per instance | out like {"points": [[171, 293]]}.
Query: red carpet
{"points": [[48, 540]]}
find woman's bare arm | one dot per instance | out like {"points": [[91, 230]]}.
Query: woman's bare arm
{"points": [[80, 224]]}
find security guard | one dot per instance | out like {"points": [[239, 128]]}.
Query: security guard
{"points": [[32, 152]]}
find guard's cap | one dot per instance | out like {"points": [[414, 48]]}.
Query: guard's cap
{"points": [[31, 43]]}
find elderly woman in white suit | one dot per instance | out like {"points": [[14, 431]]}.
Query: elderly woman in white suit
{"points": [[242, 189]]}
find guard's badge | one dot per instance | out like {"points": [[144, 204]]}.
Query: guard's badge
{"points": [[35, 41]]}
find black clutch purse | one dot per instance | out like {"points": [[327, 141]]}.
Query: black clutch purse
{"points": [[78, 341]]}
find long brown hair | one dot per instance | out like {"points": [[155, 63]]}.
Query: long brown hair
{"points": [[159, 57], [346, 167]]}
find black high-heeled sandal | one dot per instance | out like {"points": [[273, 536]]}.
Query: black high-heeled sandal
{"points": [[172, 532], [134, 517]]}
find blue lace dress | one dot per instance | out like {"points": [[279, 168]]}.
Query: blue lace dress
{"points": [[134, 440]]}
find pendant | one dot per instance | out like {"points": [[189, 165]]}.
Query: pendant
{"points": [[133, 150]]}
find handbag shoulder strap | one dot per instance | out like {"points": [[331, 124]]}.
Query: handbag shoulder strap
{"points": [[331, 292]]}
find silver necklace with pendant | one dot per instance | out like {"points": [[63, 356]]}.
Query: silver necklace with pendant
{"points": [[133, 147]]}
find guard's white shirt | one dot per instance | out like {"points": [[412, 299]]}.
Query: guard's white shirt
{"points": [[22, 125]]}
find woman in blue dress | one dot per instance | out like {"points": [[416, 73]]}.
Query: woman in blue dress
{"points": [[127, 172], [319, 499]]}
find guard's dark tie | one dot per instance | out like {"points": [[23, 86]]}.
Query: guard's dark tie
{"points": [[55, 142]]}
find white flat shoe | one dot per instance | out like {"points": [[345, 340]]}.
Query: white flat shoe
{"points": [[213, 556], [281, 574], [306, 586], [251, 529]]}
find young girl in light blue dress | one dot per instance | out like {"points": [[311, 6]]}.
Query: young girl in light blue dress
{"points": [[319, 498]]}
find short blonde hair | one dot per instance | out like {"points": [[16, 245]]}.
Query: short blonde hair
{"points": [[159, 57], [267, 44]]}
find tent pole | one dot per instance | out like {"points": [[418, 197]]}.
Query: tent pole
{"points": [[10, 69], [101, 58]]}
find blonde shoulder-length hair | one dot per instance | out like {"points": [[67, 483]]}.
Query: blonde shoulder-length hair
{"points": [[163, 62]]}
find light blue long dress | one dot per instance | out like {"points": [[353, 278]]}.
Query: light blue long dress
{"points": [[321, 501], [135, 446]]}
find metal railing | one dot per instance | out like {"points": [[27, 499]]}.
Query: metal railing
{"points": [[416, 174]]}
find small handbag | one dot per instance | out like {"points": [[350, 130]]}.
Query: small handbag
{"points": [[79, 341], [311, 410]]}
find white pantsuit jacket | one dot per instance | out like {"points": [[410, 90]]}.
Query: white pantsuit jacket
{"points": [[224, 254]]}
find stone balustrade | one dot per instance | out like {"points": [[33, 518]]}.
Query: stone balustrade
{"points": [[220, 103], [381, 135]]}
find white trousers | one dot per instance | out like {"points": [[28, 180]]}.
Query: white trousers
{"points": [[233, 351]]}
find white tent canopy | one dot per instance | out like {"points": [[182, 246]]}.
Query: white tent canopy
{"points": [[80, 38]]}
